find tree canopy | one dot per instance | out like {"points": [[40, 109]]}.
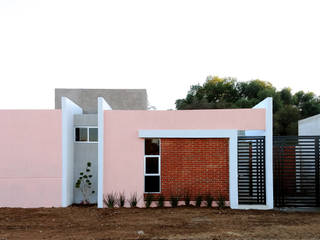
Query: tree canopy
{"points": [[288, 108]]}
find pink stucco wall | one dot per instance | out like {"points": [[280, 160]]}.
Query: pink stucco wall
{"points": [[124, 150], [30, 155]]}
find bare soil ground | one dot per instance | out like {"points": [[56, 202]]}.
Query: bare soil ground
{"points": [[155, 223]]}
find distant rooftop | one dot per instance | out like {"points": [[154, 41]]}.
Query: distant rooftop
{"points": [[308, 119], [118, 99]]}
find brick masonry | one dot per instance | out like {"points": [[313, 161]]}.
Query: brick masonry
{"points": [[196, 166]]}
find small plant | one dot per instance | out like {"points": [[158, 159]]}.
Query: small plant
{"points": [[84, 184], [149, 200], [133, 200], [110, 200], [161, 201], [209, 199], [198, 201], [221, 202], [174, 201], [121, 199], [187, 199]]}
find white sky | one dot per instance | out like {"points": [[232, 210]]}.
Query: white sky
{"points": [[164, 46]]}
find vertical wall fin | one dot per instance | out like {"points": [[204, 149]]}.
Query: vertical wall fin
{"points": [[69, 109], [267, 104], [102, 105]]}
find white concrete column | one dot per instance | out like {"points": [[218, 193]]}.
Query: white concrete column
{"points": [[267, 104], [102, 105], [69, 109]]}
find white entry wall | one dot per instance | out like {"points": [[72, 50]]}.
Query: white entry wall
{"points": [[268, 133], [69, 109]]}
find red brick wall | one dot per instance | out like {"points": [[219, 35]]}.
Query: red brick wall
{"points": [[197, 166]]}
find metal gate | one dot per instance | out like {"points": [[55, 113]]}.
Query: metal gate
{"points": [[296, 171], [251, 170]]}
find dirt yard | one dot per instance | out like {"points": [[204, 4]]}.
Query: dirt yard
{"points": [[166, 223]]}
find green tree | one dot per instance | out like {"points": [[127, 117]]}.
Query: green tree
{"points": [[218, 93]]}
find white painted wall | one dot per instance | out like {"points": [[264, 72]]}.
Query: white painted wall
{"points": [[69, 109], [267, 104], [102, 105], [309, 126]]}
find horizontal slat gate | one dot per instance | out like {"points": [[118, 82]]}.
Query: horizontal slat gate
{"points": [[296, 171], [251, 170]]}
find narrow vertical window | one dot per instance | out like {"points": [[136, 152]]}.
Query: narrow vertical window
{"points": [[152, 165], [151, 146]]}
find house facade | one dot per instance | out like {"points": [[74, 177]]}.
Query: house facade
{"points": [[135, 151]]}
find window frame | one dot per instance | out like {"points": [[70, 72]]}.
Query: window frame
{"points": [[88, 137], [145, 164], [151, 174]]}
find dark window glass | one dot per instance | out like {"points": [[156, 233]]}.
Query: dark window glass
{"points": [[151, 146], [81, 134], [152, 165], [152, 183], [93, 134]]}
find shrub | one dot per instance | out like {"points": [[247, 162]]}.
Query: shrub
{"points": [[110, 200], [209, 200], [174, 201], [121, 199], [161, 201], [149, 200], [187, 199], [221, 202], [133, 200], [198, 201], [84, 184]]}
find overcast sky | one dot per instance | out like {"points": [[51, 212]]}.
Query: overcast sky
{"points": [[164, 46]]}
